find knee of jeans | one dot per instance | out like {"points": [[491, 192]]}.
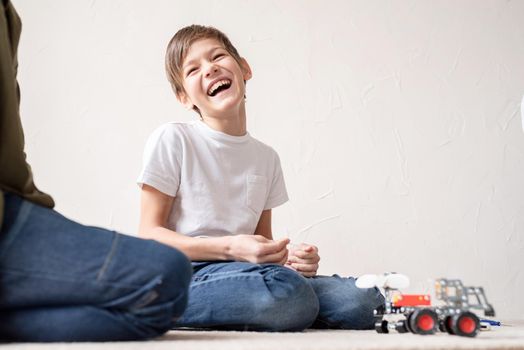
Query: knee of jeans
{"points": [[175, 270], [290, 305], [363, 306]]}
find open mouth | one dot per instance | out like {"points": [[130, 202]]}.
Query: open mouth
{"points": [[218, 87]]}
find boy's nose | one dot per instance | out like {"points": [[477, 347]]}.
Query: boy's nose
{"points": [[211, 70]]}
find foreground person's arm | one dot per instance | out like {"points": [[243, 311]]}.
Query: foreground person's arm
{"points": [[154, 211]]}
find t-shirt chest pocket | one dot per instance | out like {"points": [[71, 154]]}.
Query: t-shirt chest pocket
{"points": [[256, 192]]}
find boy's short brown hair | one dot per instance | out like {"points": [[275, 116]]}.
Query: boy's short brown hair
{"points": [[179, 46]]}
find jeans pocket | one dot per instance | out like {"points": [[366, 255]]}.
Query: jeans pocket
{"points": [[256, 193]]}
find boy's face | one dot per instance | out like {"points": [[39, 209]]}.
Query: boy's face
{"points": [[213, 80]]}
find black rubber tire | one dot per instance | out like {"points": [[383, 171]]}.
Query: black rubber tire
{"points": [[423, 315], [408, 320], [401, 326], [442, 326], [447, 322], [465, 324], [382, 326]]}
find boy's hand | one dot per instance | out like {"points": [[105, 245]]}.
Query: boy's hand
{"points": [[258, 249], [304, 259]]}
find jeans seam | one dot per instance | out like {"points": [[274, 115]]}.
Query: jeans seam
{"points": [[109, 257], [21, 217], [243, 276], [215, 274], [205, 276], [64, 279], [236, 274]]}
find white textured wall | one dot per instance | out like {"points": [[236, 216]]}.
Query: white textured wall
{"points": [[397, 122]]}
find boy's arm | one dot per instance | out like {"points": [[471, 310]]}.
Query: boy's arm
{"points": [[264, 225], [154, 211]]}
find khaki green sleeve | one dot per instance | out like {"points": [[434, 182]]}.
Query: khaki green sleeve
{"points": [[15, 173]]}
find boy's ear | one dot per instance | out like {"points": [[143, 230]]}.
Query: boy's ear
{"points": [[184, 100], [246, 69]]}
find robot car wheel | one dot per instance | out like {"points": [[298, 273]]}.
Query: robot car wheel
{"points": [[423, 321]]}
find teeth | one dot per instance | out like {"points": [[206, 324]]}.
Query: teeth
{"points": [[218, 84]]}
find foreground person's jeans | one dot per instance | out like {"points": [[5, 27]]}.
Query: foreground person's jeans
{"points": [[62, 281], [246, 296]]}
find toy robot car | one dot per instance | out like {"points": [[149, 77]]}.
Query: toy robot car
{"points": [[414, 312]]}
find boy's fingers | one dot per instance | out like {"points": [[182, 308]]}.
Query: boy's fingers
{"points": [[313, 260], [271, 247], [284, 260], [306, 255], [305, 250], [313, 248], [305, 267], [283, 242], [279, 257], [301, 254], [308, 247]]}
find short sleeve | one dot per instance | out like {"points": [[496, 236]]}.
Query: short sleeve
{"points": [[277, 191], [162, 161]]}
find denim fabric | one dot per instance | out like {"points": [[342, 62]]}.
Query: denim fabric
{"points": [[62, 281], [246, 296], [343, 305]]}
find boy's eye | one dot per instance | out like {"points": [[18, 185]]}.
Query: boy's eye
{"points": [[218, 56], [190, 71]]}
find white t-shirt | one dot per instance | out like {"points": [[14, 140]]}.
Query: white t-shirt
{"points": [[221, 183]]}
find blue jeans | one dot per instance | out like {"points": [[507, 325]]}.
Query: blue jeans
{"points": [[62, 281], [246, 296]]}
